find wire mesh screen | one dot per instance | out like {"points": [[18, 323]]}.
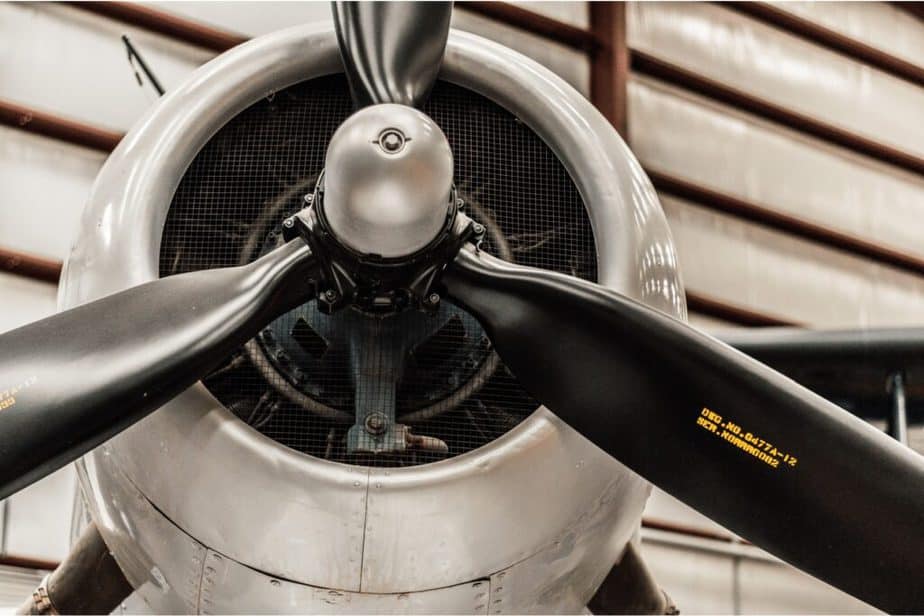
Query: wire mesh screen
{"points": [[353, 388]]}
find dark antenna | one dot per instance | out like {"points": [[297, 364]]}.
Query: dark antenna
{"points": [[134, 56]]}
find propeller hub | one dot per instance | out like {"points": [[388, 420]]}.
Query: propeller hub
{"points": [[388, 181]]}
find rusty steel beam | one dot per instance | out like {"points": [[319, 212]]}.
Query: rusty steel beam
{"points": [[29, 266], [56, 127], [164, 23], [609, 71]]}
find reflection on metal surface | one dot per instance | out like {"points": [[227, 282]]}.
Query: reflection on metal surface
{"points": [[391, 50], [230, 587], [321, 524], [405, 186]]}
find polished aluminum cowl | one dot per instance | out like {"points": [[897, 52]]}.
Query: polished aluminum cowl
{"points": [[205, 514]]}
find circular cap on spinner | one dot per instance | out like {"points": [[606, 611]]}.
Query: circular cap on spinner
{"points": [[387, 181]]}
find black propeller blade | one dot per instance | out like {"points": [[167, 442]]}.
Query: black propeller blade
{"points": [[75, 379], [392, 51], [741, 443]]}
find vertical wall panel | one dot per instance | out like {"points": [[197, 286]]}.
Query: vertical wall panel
{"points": [[39, 521], [698, 582], [709, 323], [877, 24], [758, 59], [767, 587], [23, 301], [44, 186], [664, 507], [15, 585]]}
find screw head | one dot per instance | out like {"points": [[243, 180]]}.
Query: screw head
{"points": [[434, 298], [288, 223], [392, 140], [478, 228], [330, 295], [376, 423]]}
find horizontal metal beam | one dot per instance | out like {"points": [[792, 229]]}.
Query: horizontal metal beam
{"points": [[747, 317], [164, 23], [691, 542], [56, 127], [30, 266], [689, 531], [25, 562]]}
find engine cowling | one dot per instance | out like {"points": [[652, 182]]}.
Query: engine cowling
{"points": [[205, 512]]}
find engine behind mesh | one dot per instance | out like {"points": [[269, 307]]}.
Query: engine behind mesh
{"points": [[257, 169]]}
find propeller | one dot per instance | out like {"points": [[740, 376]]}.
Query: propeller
{"points": [[729, 436], [392, 51], [743, 444], [73, 380]]}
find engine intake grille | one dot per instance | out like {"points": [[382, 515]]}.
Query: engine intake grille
{"points": [[293, 383]]}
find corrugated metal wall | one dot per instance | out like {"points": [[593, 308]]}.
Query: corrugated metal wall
{"points": [[792, 174]]}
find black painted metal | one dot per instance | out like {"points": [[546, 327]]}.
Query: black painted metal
{"points": [[850, 366], [71, 381], [842, 501], [133, 55], [88, 581], [392, 51]]}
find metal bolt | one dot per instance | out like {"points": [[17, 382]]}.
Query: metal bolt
{"points": [[288, 223], [376, 423], [478, 228], [309, 198], [434, 298], [330, 295], [392, 140]]}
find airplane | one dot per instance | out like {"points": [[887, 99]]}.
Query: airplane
{"points": [[313, 356]]}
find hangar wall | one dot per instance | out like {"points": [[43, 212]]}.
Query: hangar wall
{"points": [[739, 269]]}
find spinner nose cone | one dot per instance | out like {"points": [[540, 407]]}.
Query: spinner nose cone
{"points": [[387, 181]]}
